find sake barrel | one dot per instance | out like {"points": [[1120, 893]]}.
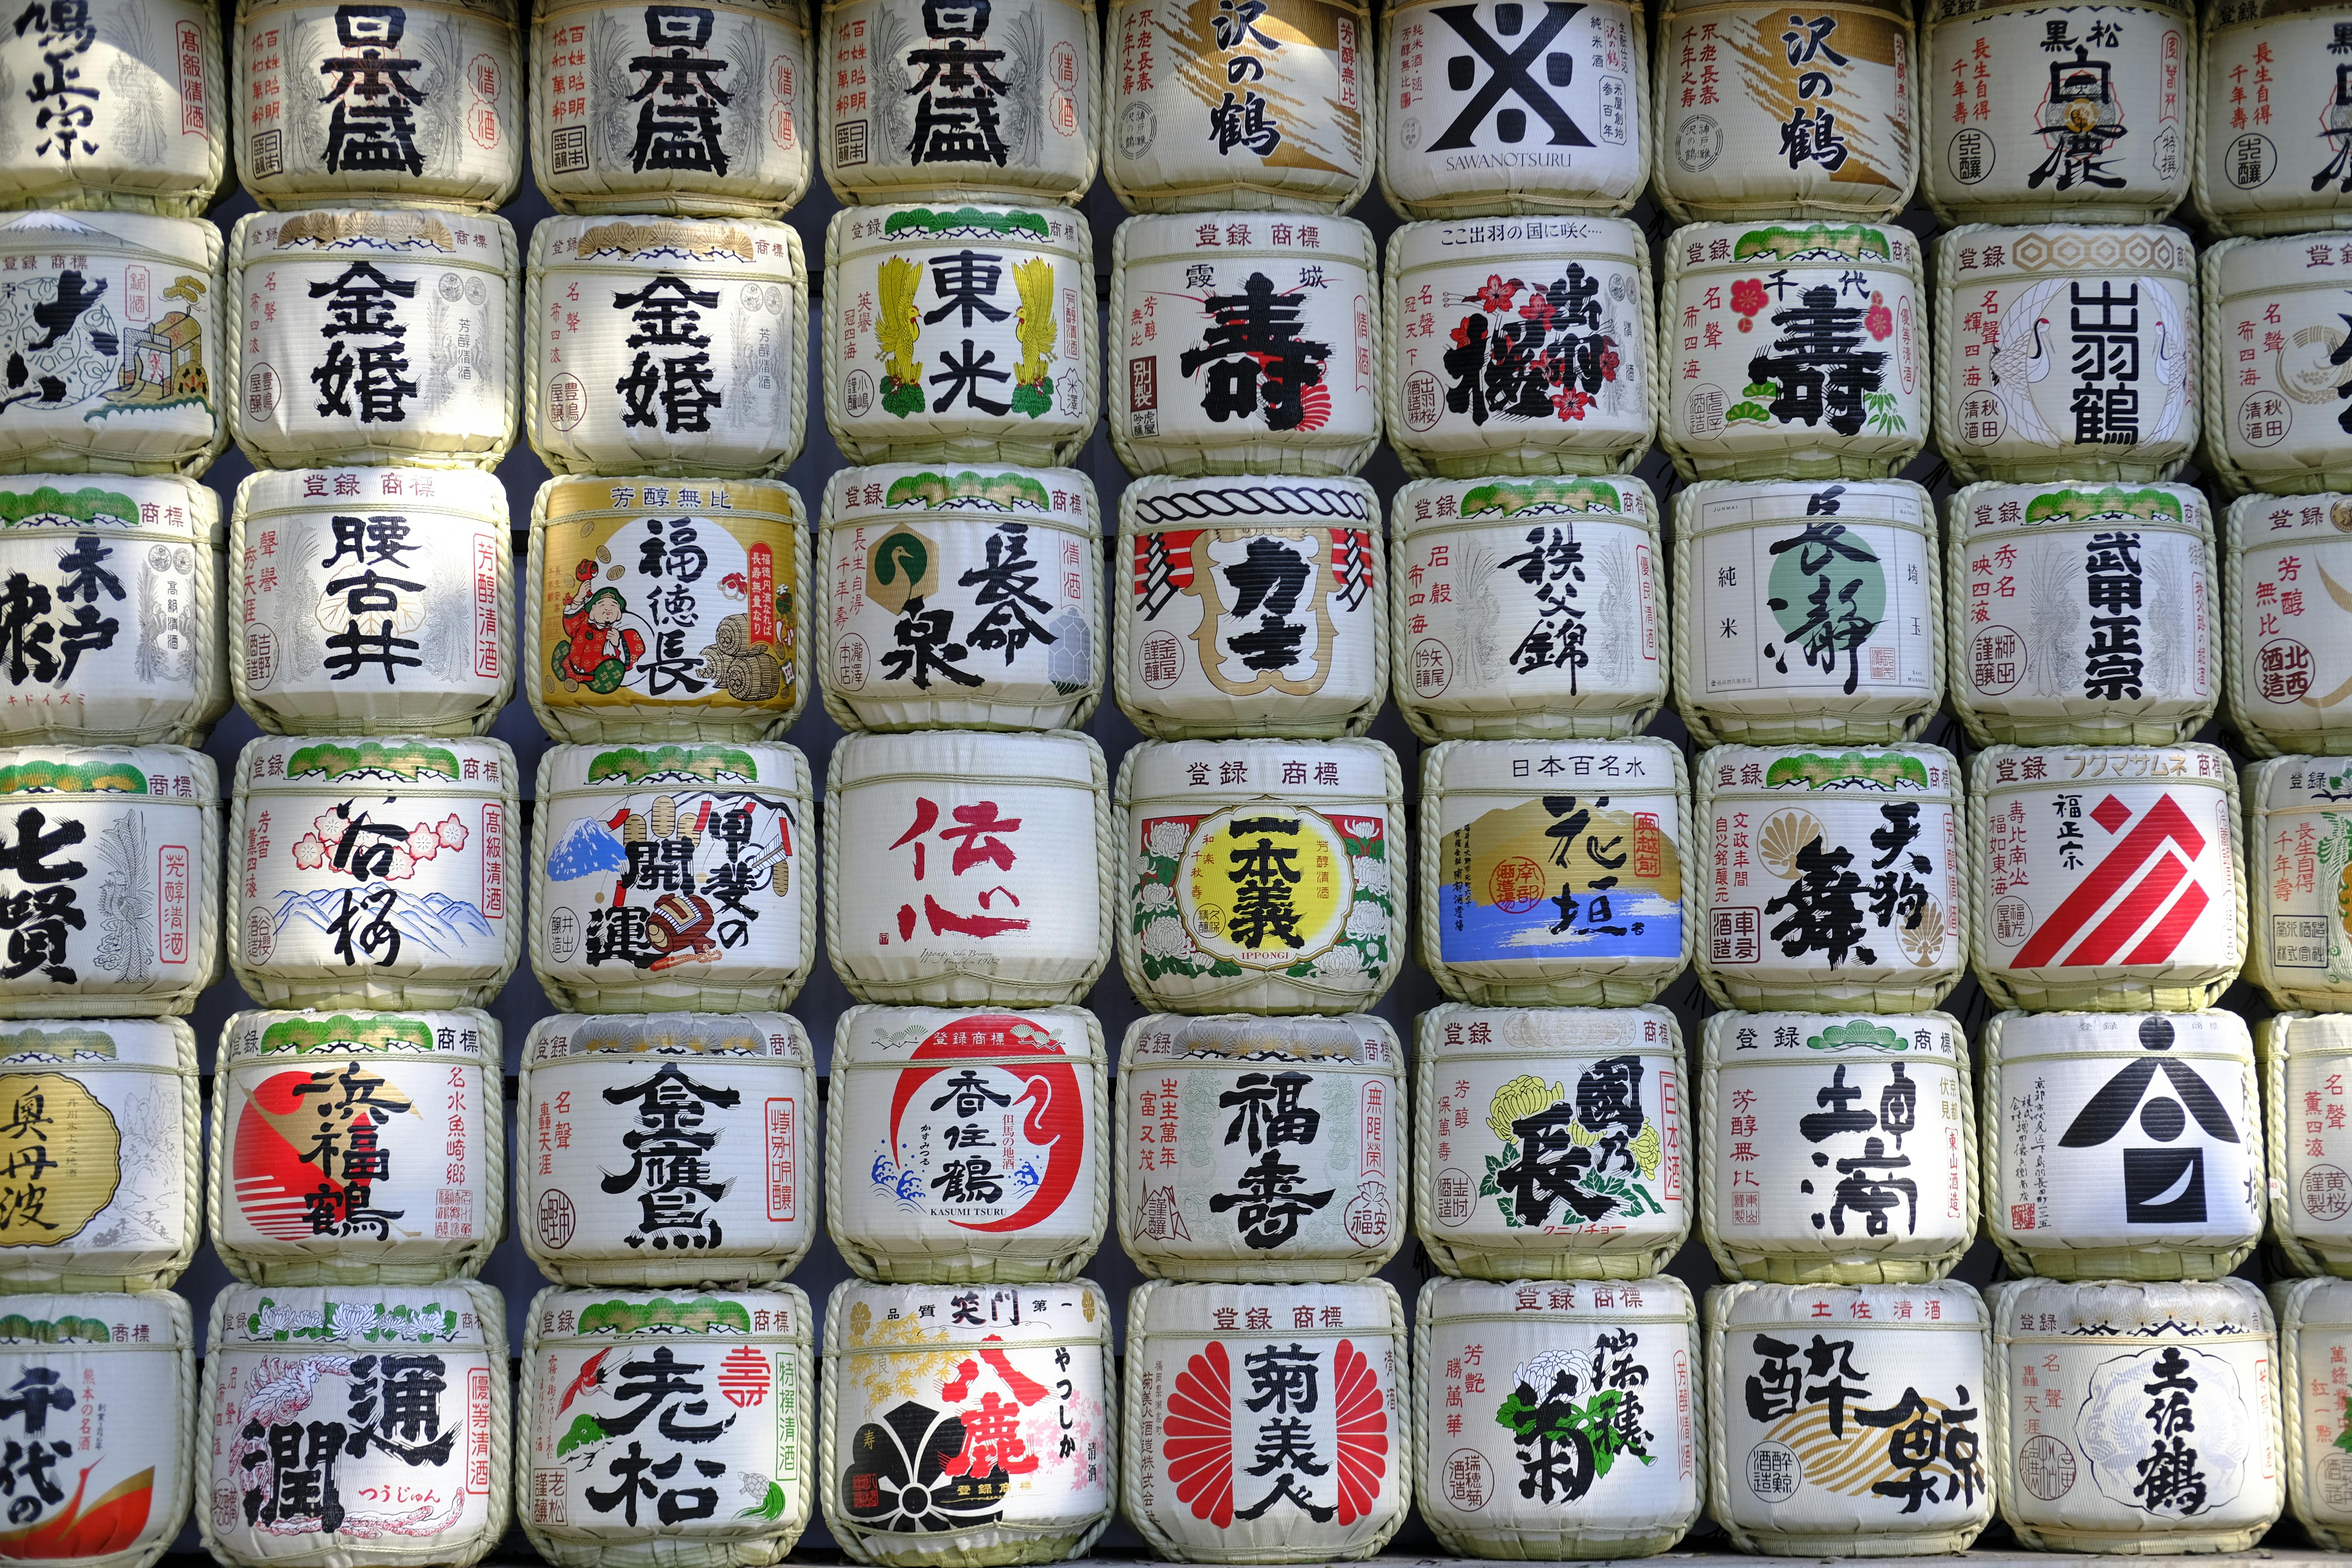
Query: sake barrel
{"points": [[114, 1104], [2065, 352], [2299, 837], [375, 873], [618, 643], [2266, 65], [933, 102], [1847, 1466], [114, 589], [2089, 122], [703, 113], [127, 110], [968, 597], [1251, 607], [1261, 1148], [1793, 354], [1519, 347], [1528, 606], [2315, 1322], [1759, 117], [122, 386], [714, 845], [1273, 346], [1291, 111], [2271, 326], [2082, 612], [110, 890], [728, 1492], [967, 1147], [1017, 829], [358, 1148], [2106, 877], [666, 346], [1008, 296], [2301, 1057], [1552, 872], [411, 104], [1543, 1349], [1038, 1410], [1342, 1475], [1219, 917], [372, 600], [2285, 674], [2134, 1418], [1787, 594], [414, 1378], [1873, 1177], [93, 1374], [668, 1095], [1470, 128], [1834, 879], [1516, 1176]]}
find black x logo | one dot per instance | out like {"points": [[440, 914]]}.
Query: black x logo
{"points": [[1511, 75]]}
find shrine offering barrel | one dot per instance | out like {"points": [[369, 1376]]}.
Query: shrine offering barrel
{"points": [[2257, 171], [2286, 675], [2307, 1145], [2314, 1371], [2298, 836], [131, 108], [2272, 411]]}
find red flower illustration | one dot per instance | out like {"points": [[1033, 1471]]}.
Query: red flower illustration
{"points": [[1497, 295], [1878, 321], [1748, 297], [1539, 308], [1572, 402], [1607, 364]]}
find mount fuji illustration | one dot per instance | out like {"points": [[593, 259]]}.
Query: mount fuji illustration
{"points": [[437, 923], [590, 848]]}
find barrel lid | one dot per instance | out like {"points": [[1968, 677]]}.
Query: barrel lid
{"points": [[1351, 1039], [2230, 13], [460, 1032], [882, 493], [1167, 236], [1960, 10], [892, 1036], [913, 226], [785, 13], [2282, 264], [747, 246], [911, 1317], [432, 234], [1663, 1296], [1297, 773], [1745, 245], [97, 1042], [1483, 241], [1920, 772], [468, 490], [2298, 784], [1967, 256], [282, 763], [1999, 768], [148, 1318], [378, 1317], [1765, 1303], [618, 768], [1988, 510], [561, 500], [749, 1037], [780, 1312], [2155, 1034], [1727, 1038], [195, 241], [1537, 1032], [2317, 1303], [154, 771], [1637, 764], [81, 502], [2178, 1309], [1066, 756], [1157, 501], [2311, 1034], [2322, 517], [1196, 1309], [1429, 505], [1712, 506]]}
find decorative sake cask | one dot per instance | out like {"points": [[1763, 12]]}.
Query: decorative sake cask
{"points": [[948, 102], [1807, 614], [1251, 607], [127, 109], [1190, 1427], [2082, 613], [968, 597], [2271, 331], [2094, 121], [1315, 924], [1759, 116], [2065, 352], [375, 873], [2270, 67], [2301, 1057], [931, 1172], [618, 643], [666, 346], [598, 1094], [1008, 295], [114, 1104], [1456, 134], [1519, 347], [732, 1491], [116, 378], [1018, 830], [2314, 1322], [115, 593], [1291, 111], [1528, 606], [2287, 674], [2135, 1418], [694, 111], [1873, 1177], [414, 1377], [915, 1375], [110, 893], [1515, 1176], [358, 1148], [1628, 1349], [372, 600], [2106, 877], [1552, 873], [112, 1381], [384, 106], [1793, 352], [1273, 346], [713, 844], [1228, 1125], [1848, 1466], [2299, 843]]}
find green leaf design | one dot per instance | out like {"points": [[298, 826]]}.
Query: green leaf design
{"points": [[769, 1507], [585, 1431]]}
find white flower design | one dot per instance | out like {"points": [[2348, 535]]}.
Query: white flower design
{"points": [[1371, 875], [1166, 937], [1341, 959], [1157, 896], [1167, 840], [1367, 918]]}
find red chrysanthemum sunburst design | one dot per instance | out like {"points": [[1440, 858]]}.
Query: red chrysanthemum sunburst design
{"points": [[1315, 402], [1362, 1420], [1200, 1435]]}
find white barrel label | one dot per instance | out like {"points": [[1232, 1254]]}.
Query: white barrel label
{"points": [[2317, 1151], [2277, 312], [96, 1425], [95, 1131], [2293, 658], [2268, 79], [120, 97]]}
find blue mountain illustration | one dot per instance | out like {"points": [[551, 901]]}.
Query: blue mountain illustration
{"points": [[435, 922], [590, 847]]}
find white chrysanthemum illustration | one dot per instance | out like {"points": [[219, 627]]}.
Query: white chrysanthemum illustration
{"points": [[1166, 937], [1341, 959], [1167, 840], [1157, 896], [1371, 875], [1539, 1371], [1365, 918]]}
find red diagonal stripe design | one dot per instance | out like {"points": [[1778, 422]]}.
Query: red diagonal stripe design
{"points": [[2164, 820], [2132, 912], [2167, 935]]}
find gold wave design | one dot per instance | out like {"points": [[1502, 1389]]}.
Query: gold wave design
{"points": [[1849, 1467]]}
